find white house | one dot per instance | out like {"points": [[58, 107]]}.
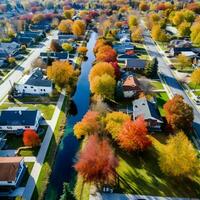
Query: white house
{"points": [[19, 119], [12, 170], [34, 84]]}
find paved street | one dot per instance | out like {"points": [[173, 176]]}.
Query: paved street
{"points": [[26, 65], [170, 80]]}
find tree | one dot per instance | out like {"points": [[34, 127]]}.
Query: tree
{"points": [[78, 28], [132, 20], [37, 18], [114, 123], [189, 15], [158, 34], [195, 33], [133, 135], [101, 68], [178, 18], [55, 46], [98, 153], [195, 7], [31, 138], [151, 68], [65, 26], [38, 62], [68, 13], [116, 68], [183, 61], [106, 54], [195, 77], [67, 193], [61, 73], [99, 43], [67, 47], [103, 86], [178, 157], [184, 29], [136, 35], [178, 113], [143, 6], [88, 125], [82, 50]]}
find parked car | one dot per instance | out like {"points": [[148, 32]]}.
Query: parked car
{"points": [[197, 101]]}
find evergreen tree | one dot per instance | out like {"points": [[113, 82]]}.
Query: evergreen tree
{"points": [[67, 193], [151, 69]]}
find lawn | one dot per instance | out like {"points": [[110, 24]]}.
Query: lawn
{"points": [[193, 86], [197, 93], [46, 109], [163, 45], [157, 85], [161, 99], [141, 174]]}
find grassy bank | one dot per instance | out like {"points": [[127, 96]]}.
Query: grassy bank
{"points": [[43, 179]]}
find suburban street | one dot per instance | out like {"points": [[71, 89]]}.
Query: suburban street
{"points": [[26, 65], [170, 80]]}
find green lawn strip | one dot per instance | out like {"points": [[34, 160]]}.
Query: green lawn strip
{"points": [[45, 172], [163, 45], [193, 86], [29, 166], [161, 99], [197, 93], [157, 85], [46, 109], [142, 173]]}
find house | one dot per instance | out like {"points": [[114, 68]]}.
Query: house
{"points": [[27, 41], [135, 64], [180, 43], [174, 51], [34, 84], [40, 27], [123, 57], [11, 48], [37, 36], [54, 55], [3, 54], [122, 48], [18, 119], [66, 37], [148, 110], [189, 54], [130, 86], [12, 171]]}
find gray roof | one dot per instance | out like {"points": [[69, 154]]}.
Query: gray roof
{"points": [[146, 108], [37, 79], [18, 117], [135, 63]]}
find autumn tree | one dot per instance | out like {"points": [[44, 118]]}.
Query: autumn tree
{"points": [[78, 28], [38, 62], [101, 68], [183, 61], [104, 162], [90, 124], [195, 77], [82, 50], [103, 86], [116, 69], [37, 18], [65, 26], [133, 135], [195, 33], [55, 46], [31, 138], [178, 18], [132, 20], [114, 123], [136, 35], [143, 6], [184, 29], [67, 47], [178, 157], [178, 113], [194, 6], [62, 73], [158, 34], [99, 43], [68, 13], [106, 54]]}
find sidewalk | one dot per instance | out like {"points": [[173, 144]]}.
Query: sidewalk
{"points": [[43, 150]]}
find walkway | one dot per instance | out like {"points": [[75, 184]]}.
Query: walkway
{"points": [[115, 196], [43, 150]]}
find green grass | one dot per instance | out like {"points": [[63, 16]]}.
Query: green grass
{"points": [[46, 110], [43, 179], [161, 99], [29, 166], [157, 85], [193, 86], [142, 173], [197, 93], [163, 45], [82, 190]]}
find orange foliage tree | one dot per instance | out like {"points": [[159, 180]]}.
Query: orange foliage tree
{"points": [[178, 113], [133, 135], [99, 43], [65, 26], [106, 54], [98, 154], [78, 28], [31, 138]]}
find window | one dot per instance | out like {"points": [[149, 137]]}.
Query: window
{"points": [[25, 86], [27, 126], [31, 86]]}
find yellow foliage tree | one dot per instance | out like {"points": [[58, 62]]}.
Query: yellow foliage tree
{"points": [[158, 34], [178, 157], [114, 122], [37, 18], [195, 77], [82, 50], [195, 33], [136, 34], [65, 26], [183, 61], [103, 86], [100, 69], [68, 13], [78, 28], [132, 20]]}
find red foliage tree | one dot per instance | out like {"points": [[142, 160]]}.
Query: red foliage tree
{"points": [[106, 56], [116, 68], [97, 162], [31, 138], [134, 135], [55, 46], [194, 7], [178, 113]]}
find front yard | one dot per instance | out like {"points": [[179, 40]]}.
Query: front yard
{"points": [[142, 173], [161, 99]]}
